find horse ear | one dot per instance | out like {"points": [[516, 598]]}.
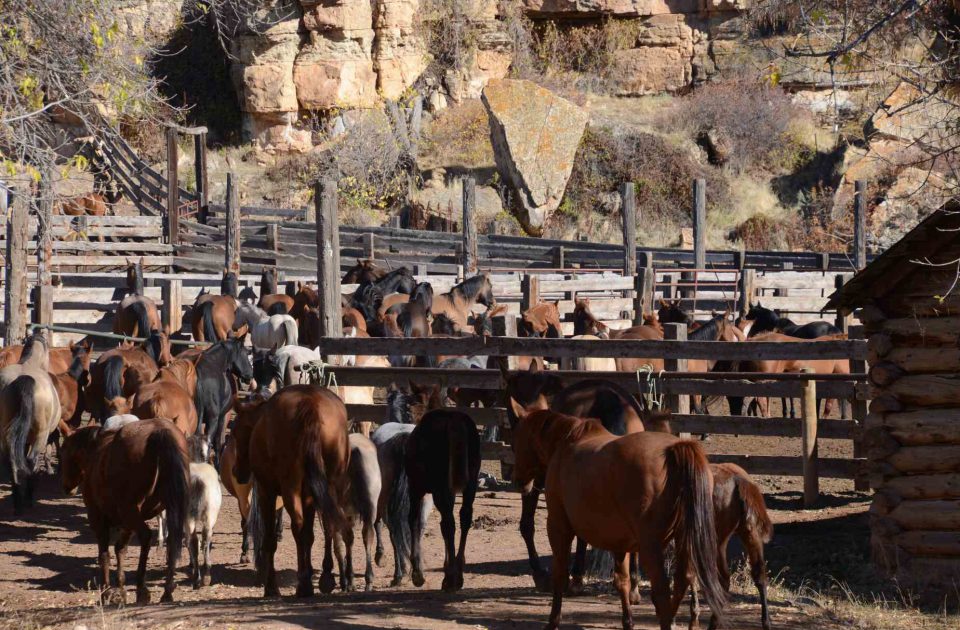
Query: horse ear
{"points": [[71, 346], [663, 303], [141, 261], [534, 368], [518, 410]]}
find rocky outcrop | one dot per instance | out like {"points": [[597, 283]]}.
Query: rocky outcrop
{"points": [[535, 135]]}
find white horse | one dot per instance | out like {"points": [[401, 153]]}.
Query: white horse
{"points": [[205, 500], [267, 332], [114, 423], [365, 485]]}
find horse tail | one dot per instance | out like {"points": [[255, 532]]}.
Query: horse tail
{"points": [[18, 431], [694, 529], [206, 318], [754, 508], [278, 308], [290, 331], [314, 474], [398, 507], [255, 527], [113, 377], [173, 487], [139, 310]]}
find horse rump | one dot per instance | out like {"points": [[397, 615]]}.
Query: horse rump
{"points": [[754, 509], [278, 308], [139, 310], [696, 534], [206, 318], [173, 487], [18, 431]]}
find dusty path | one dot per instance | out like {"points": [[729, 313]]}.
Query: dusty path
{"points": [[47, 564]]}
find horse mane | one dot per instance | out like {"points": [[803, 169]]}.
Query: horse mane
{"points": [[470, 287], [229, 285], [443, 325], [708, 330]]}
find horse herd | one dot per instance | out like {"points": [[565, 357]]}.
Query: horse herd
{"points": [[155, 446]]}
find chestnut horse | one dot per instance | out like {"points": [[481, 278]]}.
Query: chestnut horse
{"points": [[128, 477], [29, 413], [120, 372], [295, 446], [455, 303], [585, 323], [69, 387], [171, 396], [635, 493], [212, 316], [137, 315], [60, 358], [364, 271], [272, 302]]}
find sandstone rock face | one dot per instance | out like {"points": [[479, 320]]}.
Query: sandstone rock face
{"points": [[535, 135]]}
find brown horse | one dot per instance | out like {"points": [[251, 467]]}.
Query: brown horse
{"points": [[585, 323], [92, 204], [271, 301], [668, 498], [352, 318], [69, 387], [137, 315], [120, 372], [60, 358], [170, 395], [455, 303], [295, 446], [364, 271], [212, 316], [128, 477]]}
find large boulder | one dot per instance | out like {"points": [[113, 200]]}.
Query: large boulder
{"points": [[535, 135]]}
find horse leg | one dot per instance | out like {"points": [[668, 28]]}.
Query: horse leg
{"points": [[621, 579], [368, 545], [560, 534], [758, 571], [682, 580], [444, 499], [416, 534], [528, 502], [144, 533], [723, 569], [244, 541], [194, 549], [634, 580], [267, 506], [302, 514], [119, 550], [466, 521], [652, 563], [345, 542], [378, 530], [579, 564], [207, 544], [331, 538]]}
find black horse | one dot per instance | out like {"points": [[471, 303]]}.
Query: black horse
{"points": [[229, 284], [368, 298], [215, 386], [399, 280], [768, 320]]}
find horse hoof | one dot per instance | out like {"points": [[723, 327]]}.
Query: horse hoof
{"points": [[542, 582], [635, 597], [196, 585], [448, 585], [143, 596], [244, 558], [327, 583], [271, 591], [576, 587], [305, 590], [417, 578], [368, 587], [167, 597], [114, 597], [378, 559], [397, 581], [206, 580]]}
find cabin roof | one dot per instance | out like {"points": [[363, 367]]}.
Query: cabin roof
{"points": [[937, 233]]}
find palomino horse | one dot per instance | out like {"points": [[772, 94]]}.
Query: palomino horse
{"points": [[120, 372], [271, 301], [217, 368], [211, 318], [455, 303], [585, 323], [128, 477], [205, 500], [364, 271], [267, 332], [295, 445], [29, 412], [137, 315], [60, 358], [668, 498]]}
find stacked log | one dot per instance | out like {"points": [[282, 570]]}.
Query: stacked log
{"points": [[912, 439]]}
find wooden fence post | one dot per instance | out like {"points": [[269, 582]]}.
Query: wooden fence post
{"points": [[273, 240], [529, 291], [469, 226], [171, 292], [860, 224], [644, 287], [676, 403], [808, 411], [233, 235], [173, 189], [506, 326], [628, 205], [43, 291], [700, 223], [15, 289], [200, 172], [748, 284], [370, 245], [6, 197], [861, 482], [842, 321], [328, 258]]}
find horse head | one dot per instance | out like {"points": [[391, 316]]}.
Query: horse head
{"points": [[267, 371], [531, 388], [238, 362], [77, 449], [135, 276], [229, 284]]}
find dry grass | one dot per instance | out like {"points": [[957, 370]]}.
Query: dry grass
{"points": [[460, 137]]}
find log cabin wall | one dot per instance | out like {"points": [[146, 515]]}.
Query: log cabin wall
{"points": [[912, 432]]}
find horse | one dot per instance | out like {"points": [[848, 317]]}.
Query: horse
{"points": [[364, 271], [365, 484], [352, 318], [668, 497], [69, 386], [294, 444], [205, 500], [400, 280], [404, 409], [92, 204], [618, 411], [541, 320], [267, 332], [717, 328], [217, 366], [60, 358], [760, 320], [271, 301], [136, 315], [170, 395], [442, 459], [273, 370], [127, 477], [29, 412], [120, 372], [670, 312], [242, 492], [585, 323], [368, 300], [212, 316], [455, 303]]}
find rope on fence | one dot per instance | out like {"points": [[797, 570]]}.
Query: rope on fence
{"points": [[105, 335], [645, 373], [319, 372]]}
